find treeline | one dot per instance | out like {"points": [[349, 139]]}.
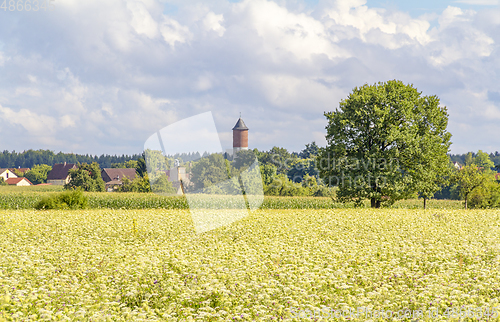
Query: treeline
{"points": [[467, 158], [28, 159]]}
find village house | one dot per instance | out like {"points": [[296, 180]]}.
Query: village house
{"points": [[6, 174], [113, 176], [19, 181], [59, 175]]}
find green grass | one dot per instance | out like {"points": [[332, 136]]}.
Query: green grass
{"points": [[16, 189], [24, 198]]}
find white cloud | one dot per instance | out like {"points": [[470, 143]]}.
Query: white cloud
{"points": [[214, 22], [35, 124], [386, 26], [67, 121], [104, 85], [281, 30], [454, 14], [458, 38], [142, 22], [173, 32]]}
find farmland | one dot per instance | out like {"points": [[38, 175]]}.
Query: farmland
{"points": [[150, 265], [27, 197]]}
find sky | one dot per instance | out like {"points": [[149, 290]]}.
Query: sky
{"points": [[101, 77]]}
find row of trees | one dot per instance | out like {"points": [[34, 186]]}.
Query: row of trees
{"points": [[30, 158]]}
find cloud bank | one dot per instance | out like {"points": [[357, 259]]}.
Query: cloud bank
{"points": [[101, 77]]}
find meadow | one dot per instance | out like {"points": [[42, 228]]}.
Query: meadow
{"points": [[150, 265]]}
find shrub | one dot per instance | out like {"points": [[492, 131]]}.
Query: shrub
{"points": [[139, 184], [485, 196], [73, 199]]}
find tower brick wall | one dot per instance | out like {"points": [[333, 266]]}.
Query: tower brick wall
{"points": [[240, 138]]}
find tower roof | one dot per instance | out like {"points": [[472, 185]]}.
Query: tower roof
{"points": [[240, 125]]}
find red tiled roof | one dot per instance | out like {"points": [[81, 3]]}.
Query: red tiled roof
{"points": [[15, 181]]}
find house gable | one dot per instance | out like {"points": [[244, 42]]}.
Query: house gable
{"points": [[7, 174]]}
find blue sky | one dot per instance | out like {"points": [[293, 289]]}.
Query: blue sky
{"points": [[101, 77]]}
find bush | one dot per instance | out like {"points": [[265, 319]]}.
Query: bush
{"points": [[139, 184], [2, 182], [324, 191], [65, 200], [485, 196]]}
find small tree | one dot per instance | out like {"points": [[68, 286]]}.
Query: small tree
{"points": [[162, 185], [141, 167], [469, 158], [139, 184], [487, 195], [310, 151], [86, 176], [468, 178], [210, 170], [244, 159], [38, 173], [483, 160], [267, 172]]}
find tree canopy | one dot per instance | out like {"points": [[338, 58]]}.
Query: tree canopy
{"points": [[385, 142], [87, 177]]}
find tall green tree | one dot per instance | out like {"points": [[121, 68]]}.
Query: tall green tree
{"points": [[384, 143], [87, 177]]}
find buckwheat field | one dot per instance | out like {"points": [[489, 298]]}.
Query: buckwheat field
{"points": [[150, 265]]}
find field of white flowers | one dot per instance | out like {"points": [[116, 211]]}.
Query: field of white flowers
{"points": [[150, 265]]}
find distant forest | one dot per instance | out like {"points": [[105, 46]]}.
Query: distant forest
{"points": [[460, 158], [28, 159]]}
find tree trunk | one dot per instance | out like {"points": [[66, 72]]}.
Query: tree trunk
{"points": [[425, 202], [375, 203]]}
